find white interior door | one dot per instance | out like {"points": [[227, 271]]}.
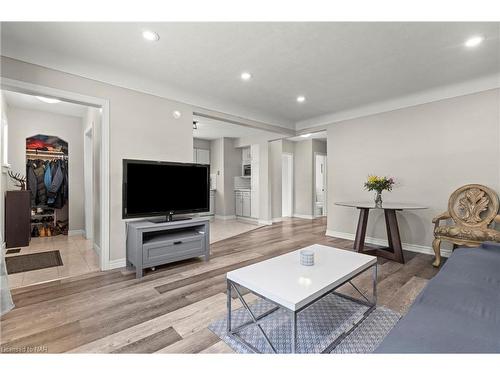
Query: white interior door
{"points": [[320, 178], [287, 185]]}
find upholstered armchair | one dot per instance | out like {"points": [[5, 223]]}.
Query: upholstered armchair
{"points": [[473, 208]]}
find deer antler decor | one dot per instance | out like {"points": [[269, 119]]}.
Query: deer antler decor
{"points": [[20, 179]]}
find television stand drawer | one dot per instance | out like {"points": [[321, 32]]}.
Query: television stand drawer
{"points": [[160, 252]]}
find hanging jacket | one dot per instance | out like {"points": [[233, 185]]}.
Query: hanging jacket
{"points": [[47, 179], [55, 188], [65, 187], [41, 191], [32, 183]]}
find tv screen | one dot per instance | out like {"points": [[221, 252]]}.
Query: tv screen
{"points": [[153, 188]]}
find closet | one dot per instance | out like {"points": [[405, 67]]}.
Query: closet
{"points": [[48, 183]]}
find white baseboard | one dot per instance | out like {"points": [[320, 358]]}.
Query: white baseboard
{"points": [[277, 219], [76, 232], [382, 242], [97, 249], [228, 217], [117, 263], [265, 222], [301, 216], [250, 220]]}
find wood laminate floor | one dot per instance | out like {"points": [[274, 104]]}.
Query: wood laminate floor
{"points": [[169, 310]]}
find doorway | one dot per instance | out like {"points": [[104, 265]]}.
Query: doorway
{"points": [[55, 136], [287, 185], [320, 184]]}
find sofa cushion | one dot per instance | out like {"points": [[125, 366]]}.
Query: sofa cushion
{"points": [[457, 312]]}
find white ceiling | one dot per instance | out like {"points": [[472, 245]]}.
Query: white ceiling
{"points": [[18, 100], [337, 66], [213, 129]]}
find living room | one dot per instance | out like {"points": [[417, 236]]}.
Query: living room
{"points": [[283, 188]]}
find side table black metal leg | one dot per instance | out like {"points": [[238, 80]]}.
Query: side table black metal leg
{"points": [[359, 242], [393, 235]]}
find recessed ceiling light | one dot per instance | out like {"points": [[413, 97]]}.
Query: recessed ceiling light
{"points": [[176, 114], [48, 100], [150, 35], [305, 135], [474, 41], [301, 99], [245, 76]]}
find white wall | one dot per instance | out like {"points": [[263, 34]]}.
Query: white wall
{"points": [[3, 172], [430, 149], [226, 164], [217, 168], [141, 127], [303, 178], [25, 123], [265, 214], [304, 175], [276, 152], [92, 120], [232, 168]]}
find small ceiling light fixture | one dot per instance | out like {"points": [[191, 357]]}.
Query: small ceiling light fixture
{"points": [[48, 100], [195, 125], [245, 76], [150, 35], [301, 98], [474, 41], [305, 135], [176, 114]]}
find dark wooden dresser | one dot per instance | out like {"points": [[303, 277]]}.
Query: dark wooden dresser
{"points": [[17, 218]]}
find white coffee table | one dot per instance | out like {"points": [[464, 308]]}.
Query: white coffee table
{"points": [[287, 284]]}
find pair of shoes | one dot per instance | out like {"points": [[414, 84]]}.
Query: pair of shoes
{"points": [[43, 232], [34, 232]]}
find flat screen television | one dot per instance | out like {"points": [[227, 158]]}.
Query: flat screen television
{"points": [[158, 188]]}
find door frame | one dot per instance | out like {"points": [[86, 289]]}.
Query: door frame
{"points": [[88, 170], [325, 204], [292, 187], [91, 101]]}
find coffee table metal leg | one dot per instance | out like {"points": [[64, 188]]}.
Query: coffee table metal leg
{"points": [[229, 300], [293, 344], [255, 320]]}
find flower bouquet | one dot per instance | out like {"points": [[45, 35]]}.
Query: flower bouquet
{"points": [[379, 184]]}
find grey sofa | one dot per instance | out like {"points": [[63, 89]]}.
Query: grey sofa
{"points": [[458, 311]]}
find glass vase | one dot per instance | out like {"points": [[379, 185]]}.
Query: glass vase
{"points": [[378, 199]]}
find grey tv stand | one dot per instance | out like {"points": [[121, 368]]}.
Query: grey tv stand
{"points": [[152, 243]]}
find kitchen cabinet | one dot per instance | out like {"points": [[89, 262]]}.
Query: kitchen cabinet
{"points": [[201, 156], [246, 156], [238, 204], [243, 206], [246, 204]]}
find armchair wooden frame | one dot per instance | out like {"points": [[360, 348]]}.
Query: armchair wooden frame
{"points": [[472, 208]]}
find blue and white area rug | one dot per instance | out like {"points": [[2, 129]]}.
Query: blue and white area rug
{"points": [[317, 327]]}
